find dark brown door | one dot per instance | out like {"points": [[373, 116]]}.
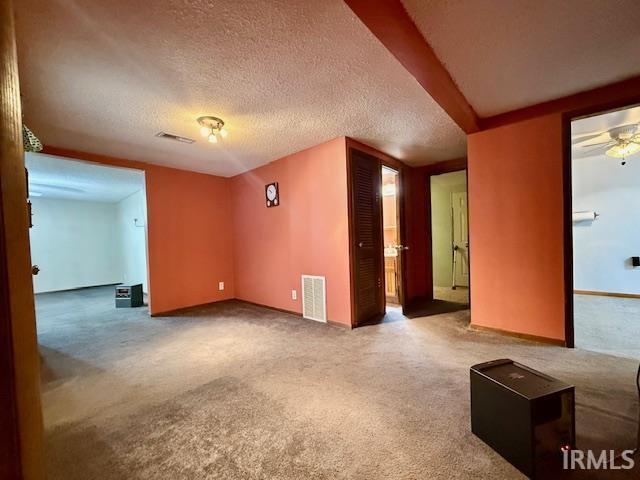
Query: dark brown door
{"points": [[366, 237]]}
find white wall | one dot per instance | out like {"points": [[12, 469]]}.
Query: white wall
{"points": [[75, 244], [441, 233], [602, 249], [133, 239]]}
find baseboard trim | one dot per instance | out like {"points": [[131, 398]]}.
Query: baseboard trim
{"points": [[522, 336], [340, 325], [291, 312], [178, 311], [606, 294], [79, 288], [268, 307], [183, 310]]}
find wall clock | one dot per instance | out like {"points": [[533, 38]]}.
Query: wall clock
{"points": [[272, 195]]}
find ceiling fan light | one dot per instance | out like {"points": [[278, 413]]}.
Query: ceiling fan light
{"points": [[223, 133], [623, 151], [212, 138], [205, 131]]}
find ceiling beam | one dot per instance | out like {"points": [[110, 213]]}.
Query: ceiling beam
{"points": [[391, 24], [609, 97]]}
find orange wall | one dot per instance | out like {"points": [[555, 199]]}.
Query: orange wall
{"points": [[190, 247], [306, 234], [516, 227]]}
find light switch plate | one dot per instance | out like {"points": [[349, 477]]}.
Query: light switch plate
{"points": [[294, 295], [220, 285]]}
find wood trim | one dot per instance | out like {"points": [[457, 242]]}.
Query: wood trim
{"points": [[439, 168], [384, 158], [446, 166], [612, 96], [522, 336], [606, 294], [179, 311], [275, 309], [391, 24], [402, 169], [567, 227], [21, 435], [351, 230], [183, 310]]}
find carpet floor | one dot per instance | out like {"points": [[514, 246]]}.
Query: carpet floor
{"points": [[607, 324], [235, 391]]}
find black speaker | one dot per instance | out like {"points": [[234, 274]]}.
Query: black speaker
{"points": [[526, 416], [635, 261], [129, 296]]}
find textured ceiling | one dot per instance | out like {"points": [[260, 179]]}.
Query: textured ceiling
{"points": [[105, 77], [55, 177], [591, 130], [508, 54]]}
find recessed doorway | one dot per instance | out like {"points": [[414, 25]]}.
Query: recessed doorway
{"points": [[391, 240], [450, 237], [605, 167]]}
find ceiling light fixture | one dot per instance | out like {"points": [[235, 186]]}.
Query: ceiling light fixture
{"points": [[211, 127], [623, 150]]}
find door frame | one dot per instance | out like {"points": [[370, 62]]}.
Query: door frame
{"points": [[567, 190], [21, 435], [439, 168], [397, 165]]}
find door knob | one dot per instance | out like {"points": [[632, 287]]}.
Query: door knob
{"points": [[35, 270], [361, 244]]}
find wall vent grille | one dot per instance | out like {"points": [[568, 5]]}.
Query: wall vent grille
{"points": [[176, 138], [314, 298]]}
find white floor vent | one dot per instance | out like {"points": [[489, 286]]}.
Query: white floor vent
{"points": [[314, 298]]}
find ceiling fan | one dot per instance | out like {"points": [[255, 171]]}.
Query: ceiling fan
{"points": [[623, 142]]}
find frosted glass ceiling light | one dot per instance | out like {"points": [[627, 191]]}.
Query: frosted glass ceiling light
{"points": [[210, 127]]}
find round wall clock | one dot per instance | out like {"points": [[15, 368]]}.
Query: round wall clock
{"points": [[272, 195]]}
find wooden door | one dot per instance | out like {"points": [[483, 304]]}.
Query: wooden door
{"points": [[21, 440], [365, 181], [460, 238]]}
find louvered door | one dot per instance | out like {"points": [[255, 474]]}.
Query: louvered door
{"points": [[366, 237]]}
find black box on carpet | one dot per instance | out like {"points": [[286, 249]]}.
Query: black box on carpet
{"points": [[525, 415], [128, 296]]}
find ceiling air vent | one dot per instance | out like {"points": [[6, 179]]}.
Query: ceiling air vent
{"points": [[177, 138], [314, 301]]}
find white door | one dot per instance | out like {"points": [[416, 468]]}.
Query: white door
{"points": [[460, 238]]}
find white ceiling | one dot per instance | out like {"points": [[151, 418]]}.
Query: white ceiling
{"points": [[105, 77], [508, 54], [591, 130], [56, 177]]}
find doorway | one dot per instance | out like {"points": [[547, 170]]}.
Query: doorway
{"points": [[605, 198], [376, 236], [450, 237], [88, 235], [391, 237]]}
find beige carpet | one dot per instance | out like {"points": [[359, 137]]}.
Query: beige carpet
{"points": [[234, 391], [607, 324], [448, 294]]}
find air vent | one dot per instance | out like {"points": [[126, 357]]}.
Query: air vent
{"points": [[177, 138], [314, 301]]}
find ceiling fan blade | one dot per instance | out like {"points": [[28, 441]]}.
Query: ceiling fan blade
{"points": [[609, 142], [598, 148], [584, 138]]}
